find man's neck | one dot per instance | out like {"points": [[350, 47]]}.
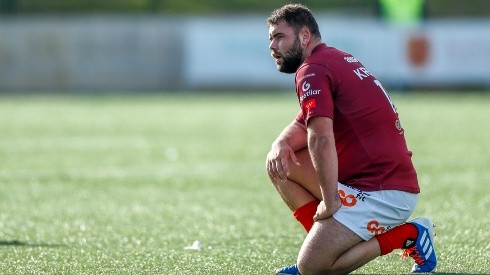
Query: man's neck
{"points": [[312, 45]]}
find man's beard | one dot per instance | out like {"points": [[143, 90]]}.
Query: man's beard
{"points": [[292, 59]]}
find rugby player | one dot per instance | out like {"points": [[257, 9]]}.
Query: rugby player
{"points": [[342, 165]]}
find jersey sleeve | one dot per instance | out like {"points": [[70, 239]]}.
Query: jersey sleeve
{"points": [[314, 88]]}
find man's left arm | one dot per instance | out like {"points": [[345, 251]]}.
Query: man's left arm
{"points": [[321, 145]]}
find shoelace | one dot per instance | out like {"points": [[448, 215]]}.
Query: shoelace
{"points": [[412, 252]]}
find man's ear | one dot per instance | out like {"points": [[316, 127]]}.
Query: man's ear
{"points": [[304, 37]]}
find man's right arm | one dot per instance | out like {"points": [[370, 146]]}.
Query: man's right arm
{"points": [[292, 138]]}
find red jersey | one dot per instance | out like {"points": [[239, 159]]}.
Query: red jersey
{"points": [[371, 148]]}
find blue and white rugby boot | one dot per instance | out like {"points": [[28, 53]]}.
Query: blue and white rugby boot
{"points": [[288, 270], [423, 251]]}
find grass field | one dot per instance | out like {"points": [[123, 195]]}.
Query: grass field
{"points": [[121, 184]]}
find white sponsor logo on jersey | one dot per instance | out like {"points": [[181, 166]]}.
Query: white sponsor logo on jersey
{"points": [[307, 91], [350, 59], [305, 86], [306, 76]]}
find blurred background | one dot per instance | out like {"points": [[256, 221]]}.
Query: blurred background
{"points": [[174, 45]]}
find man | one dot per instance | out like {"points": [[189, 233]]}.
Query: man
{"points": [[342, 166]]}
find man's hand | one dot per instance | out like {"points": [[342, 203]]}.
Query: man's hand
{"points": [[278, 161], [323, 211]]}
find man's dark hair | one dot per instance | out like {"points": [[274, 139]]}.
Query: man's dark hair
{"points": [[297, 16]]}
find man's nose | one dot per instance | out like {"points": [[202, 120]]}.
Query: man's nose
{"points": [[272, 45]]}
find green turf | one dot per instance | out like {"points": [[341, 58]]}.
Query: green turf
{"points": [[121, 184]]}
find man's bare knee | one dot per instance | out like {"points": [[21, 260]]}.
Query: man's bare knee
{"points": [[308, 269], [311, 262], [314, 267], [274, 181], [323, 250]]}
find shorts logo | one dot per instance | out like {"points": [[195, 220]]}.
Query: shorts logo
{"points": [[347, 200], [310, 104], [373, 227]]}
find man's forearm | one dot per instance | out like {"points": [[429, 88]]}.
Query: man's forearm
{"points": [[321, 145], [294, 135], [324, 158]]}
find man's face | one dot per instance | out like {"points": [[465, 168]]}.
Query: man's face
{"points": [[285, 47]]}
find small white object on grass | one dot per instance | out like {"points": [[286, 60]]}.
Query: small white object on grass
{"points": [[196, 245], [172, 154]]}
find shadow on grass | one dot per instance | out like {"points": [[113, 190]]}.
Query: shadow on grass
{"points": [[19, 243]]}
